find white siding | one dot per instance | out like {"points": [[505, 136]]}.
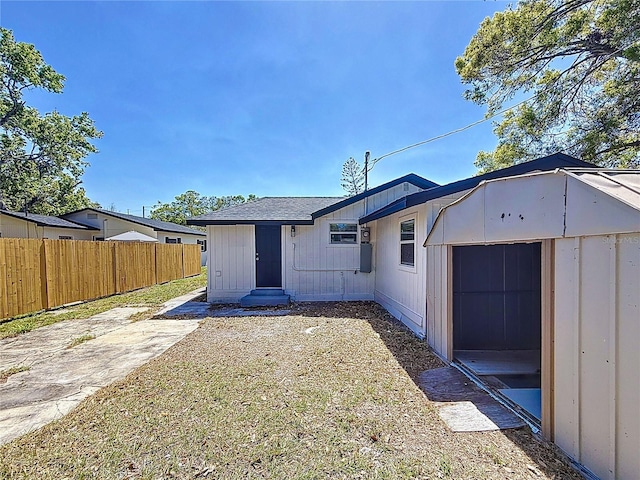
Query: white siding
{"points": [[399, 288], [55, 233], [231, 262], [109, 226], [596, 357], [11, 227], [403, 291], [314, 269]]}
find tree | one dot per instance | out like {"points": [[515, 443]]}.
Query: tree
{"points": [[352, 180], [191, 203], [579, 61], [42, 157]]}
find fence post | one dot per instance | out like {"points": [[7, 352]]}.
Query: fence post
{"points": [[44, 290]]}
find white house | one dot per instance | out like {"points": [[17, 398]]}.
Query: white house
{"points": [[310, 248], [107, 224], [31, 225]]}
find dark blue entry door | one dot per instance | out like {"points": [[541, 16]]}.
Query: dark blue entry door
{"points": [[268, 256]]}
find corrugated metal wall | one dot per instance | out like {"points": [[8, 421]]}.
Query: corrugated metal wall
{"points": [[597, 352]]}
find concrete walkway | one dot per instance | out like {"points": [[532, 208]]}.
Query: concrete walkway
{"points": [[60, 377]]}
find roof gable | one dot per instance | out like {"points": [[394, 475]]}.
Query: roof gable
{"points": [[552, 204], [550, 162], [412, 178], [156, 225]]}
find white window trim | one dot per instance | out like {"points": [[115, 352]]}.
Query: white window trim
{"points": [[342, 245], [404, 219]]}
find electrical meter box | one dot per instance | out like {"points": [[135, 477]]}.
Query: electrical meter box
{"points": [[365, 235], [366, 255]]}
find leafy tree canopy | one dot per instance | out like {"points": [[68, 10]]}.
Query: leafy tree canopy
{"points": [[352, 180], [579, 61], [191, 203], [42, 157]]}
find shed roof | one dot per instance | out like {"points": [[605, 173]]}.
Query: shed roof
{"points": [[275, 210], [46, 220], [551, 162], [156, 225], [553, 204]]}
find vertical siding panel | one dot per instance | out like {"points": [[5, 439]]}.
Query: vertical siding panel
{"points": [[628, 360], [565, 357], [611, 354], [594, 354]]}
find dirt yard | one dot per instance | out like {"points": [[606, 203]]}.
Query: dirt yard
{"points": [[326, 391]]}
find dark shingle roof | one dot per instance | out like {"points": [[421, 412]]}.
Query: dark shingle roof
{"points": [[157, 225], [298, 210], [551, 162], [282, 210], [46, 220]]}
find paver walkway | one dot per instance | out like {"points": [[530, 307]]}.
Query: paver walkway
{"points": [[60, 377]]}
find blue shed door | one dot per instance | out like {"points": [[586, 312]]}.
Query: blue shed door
{"points": [[268, 256]]}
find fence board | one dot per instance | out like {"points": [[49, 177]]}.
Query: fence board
{"points": [[20, 280], [191, 255], [169, 262], [40, 274], [135, 265]]}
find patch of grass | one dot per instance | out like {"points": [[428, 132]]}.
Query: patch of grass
{"points": [[258, 397], [79, 340], [150, 297], [5, 374]]}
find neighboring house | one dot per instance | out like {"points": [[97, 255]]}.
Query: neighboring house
{"points": [[31, 225], [109, 224], [526, 277]]}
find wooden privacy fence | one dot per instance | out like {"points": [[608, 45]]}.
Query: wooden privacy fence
{"points": [[41, 274]]}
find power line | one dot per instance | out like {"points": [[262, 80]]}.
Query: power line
{"points": [[478, 122], [452, 132]]}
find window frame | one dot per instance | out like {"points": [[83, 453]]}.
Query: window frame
{"points": [[406, 241], [345, 233]]}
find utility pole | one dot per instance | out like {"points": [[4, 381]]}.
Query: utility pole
{"points": [[366, 170]]}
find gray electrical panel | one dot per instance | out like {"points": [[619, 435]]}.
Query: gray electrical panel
{"points": [[366, 255]]}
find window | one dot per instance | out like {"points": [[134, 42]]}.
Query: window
{"points": [[98, 239], [203, 245], [170, 240], [407, 242], [343, 233], [65, 237], [92, 216]]}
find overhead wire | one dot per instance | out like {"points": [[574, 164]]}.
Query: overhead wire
{"points": [[477, 122]]}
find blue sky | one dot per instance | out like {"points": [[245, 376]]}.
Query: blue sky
{"points": [[268, 98]]}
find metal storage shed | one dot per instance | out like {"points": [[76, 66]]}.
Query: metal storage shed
{"points": [[554, 261]]}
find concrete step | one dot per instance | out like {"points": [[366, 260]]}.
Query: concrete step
{"points": [[264, 300], [267, 291]]}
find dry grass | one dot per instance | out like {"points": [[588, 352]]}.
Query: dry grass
{"points": [[325, 392], [147, 297], [5, 374]]}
